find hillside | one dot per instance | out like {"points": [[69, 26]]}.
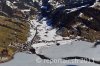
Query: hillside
{"points": [[46, 22], [12, 32]]}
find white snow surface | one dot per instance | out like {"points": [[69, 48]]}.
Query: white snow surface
{"points": [[46, 33]]}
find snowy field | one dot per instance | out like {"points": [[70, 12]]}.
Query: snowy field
{"points": [[77, 48]]}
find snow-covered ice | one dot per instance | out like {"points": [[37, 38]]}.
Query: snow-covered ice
{"points": [[77, 48]]}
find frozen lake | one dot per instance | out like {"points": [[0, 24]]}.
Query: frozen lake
{"points": [[78, 48]]}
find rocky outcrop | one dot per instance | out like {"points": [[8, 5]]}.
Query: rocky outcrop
{"points": [[83, 22]]}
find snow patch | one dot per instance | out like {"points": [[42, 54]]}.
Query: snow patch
{"points": [[47, 35]]}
